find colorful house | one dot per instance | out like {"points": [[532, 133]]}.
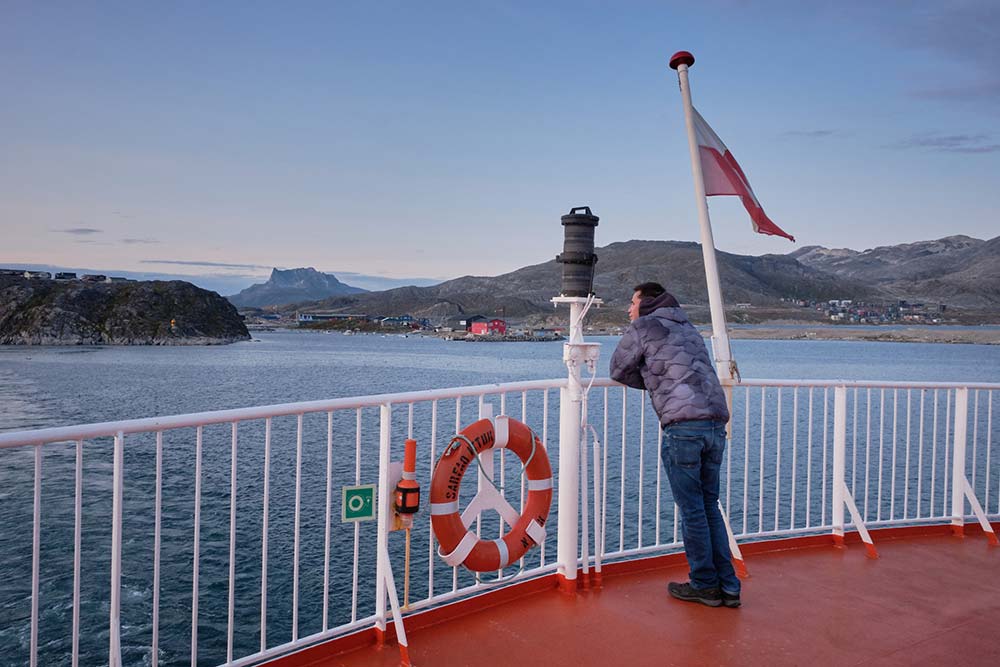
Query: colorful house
{"points": [[495, 327]]}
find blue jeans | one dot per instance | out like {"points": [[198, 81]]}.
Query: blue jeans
{"points": [[692, 455]]}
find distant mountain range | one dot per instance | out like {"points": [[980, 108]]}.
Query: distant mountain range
{"points": [[292, 286], [959, 271], [956, 270], [678, 265]]}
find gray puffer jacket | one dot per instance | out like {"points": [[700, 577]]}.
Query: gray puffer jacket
{"points": [[664, 353]]}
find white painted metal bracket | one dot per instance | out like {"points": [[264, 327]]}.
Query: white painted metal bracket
{"points": [[977, 509], [842, 497], [961, 489], [734, 548]]}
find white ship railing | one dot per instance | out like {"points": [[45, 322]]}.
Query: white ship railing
{"points": [[904, 452]]}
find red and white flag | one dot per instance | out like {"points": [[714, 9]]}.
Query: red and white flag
{"points": [[723, 176]]}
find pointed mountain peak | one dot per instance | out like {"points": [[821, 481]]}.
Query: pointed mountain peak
{"points": [[293, 286]]}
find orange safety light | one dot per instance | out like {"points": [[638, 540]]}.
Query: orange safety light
{"points": [[407, 496]]}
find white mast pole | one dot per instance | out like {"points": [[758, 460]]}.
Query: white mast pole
{"points": [[724, 365]]}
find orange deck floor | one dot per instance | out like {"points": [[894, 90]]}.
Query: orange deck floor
{"points": [[929, 600]]}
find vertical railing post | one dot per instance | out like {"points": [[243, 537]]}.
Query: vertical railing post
{"points": [[961, 489], [296, 531], [483, 483], [196, 556], [958, 461], [598, 502], [114, 650], [839, 460], [383, 509], [843, 498], [232, 544], [77, 540], [265, 513], [157, 535], [36, 555]]}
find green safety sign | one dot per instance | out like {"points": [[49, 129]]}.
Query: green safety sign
{"points": [[358, 503]]}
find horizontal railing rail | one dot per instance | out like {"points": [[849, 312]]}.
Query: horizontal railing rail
{"points": [[871, 384], [109, 429], [213, 537]]}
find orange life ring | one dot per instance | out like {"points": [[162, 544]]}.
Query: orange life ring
{"points": [[459, 545]]}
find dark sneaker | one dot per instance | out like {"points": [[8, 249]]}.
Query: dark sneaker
{"points": [[686, 592], [730, 600]]}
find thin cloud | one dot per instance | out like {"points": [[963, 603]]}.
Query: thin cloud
{"points": [[970, 91], [354, 274], [217, 265], [962, 33], [809, 134], [139, 241], [949, 143], [79, 231], [375, 283]]}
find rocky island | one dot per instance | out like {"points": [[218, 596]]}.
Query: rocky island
{"points": [[38, 311]]}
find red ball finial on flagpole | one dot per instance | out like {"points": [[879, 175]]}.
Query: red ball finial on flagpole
{"points": [[681, 58]]}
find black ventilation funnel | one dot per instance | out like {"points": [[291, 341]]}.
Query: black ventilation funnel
{"points": [[578, 258]]}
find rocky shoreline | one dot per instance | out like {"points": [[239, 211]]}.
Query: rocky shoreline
{"points": [[989, 335], [984, 336], [153, 341], [38, 311], [502, 339]]}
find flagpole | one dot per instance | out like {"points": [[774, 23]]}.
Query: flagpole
{"points": [[724, 364]]}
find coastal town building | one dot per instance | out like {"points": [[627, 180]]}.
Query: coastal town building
{"points": [[472, 319], [494, 327], [326, 316], [397, 321]]}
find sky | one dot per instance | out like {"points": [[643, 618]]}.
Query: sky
{"points": [[437, 139]]}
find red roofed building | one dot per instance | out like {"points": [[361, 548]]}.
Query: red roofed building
{"points": [[493, 327]]}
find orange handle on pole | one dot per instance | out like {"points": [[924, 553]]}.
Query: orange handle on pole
{"points": [[410, 456], [408, 491]]}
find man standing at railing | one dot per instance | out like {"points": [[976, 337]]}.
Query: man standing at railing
{"points": [[663, 353]]}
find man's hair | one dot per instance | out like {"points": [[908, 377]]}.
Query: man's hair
{"points": [[649, 290]]}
